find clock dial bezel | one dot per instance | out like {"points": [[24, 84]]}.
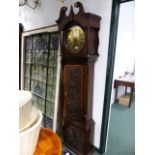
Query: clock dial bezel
{"points": [[74, 39]]}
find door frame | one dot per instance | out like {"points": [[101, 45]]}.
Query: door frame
{"points": [[109, 74]]}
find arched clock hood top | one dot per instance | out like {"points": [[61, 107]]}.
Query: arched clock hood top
{"points": [[81, 17]]}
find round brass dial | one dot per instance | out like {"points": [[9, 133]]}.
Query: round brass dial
{"points": [[74, 39]]}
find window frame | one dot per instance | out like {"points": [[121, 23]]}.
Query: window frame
{"points": [[48, 29]]}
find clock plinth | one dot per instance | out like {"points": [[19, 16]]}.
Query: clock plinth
{"points": [[79, 51]]}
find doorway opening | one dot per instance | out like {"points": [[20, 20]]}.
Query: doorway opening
{"points": [[116, 9]]}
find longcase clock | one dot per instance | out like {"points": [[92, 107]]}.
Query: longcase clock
{"points": [[79, 51]]}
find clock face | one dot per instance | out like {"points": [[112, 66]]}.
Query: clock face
{"points": [[74, 39]]}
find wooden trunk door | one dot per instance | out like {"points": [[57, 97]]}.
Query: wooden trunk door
{"points": [[73, 86]]}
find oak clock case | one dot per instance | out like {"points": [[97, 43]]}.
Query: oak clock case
{"points": [[79, 51]]}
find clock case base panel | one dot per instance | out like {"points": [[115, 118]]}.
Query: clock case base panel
{"points": [[77, 135]]}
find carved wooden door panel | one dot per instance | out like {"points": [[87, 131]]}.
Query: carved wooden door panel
{"points": [[73, 92]]}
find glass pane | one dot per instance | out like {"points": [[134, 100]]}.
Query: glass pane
{"points": [[42, 74], [34, 74], [51, 63], [34, 56], [28, 43], [55, 63], [41, 104], [39, 73], [28, 57], [34, 100], [51, 77], [26, 83], [53, 58], [49, 108], [40, 42], [38, 102], [48, 122], [42, 57], [27, 71], [51, 93], [54, 41], [74, 39], [38, 88], [45, 58], [52, 54]]}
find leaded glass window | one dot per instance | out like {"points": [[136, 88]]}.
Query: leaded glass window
{"points": [[40, 71]]}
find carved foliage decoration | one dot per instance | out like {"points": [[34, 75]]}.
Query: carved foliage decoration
{"points": [[73, 76]]}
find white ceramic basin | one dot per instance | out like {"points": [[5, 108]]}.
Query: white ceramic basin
{"points": [[25, 108], [28, 138]]}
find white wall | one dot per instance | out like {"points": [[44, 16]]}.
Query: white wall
{"points": [[125, 56], [48, 12]]}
